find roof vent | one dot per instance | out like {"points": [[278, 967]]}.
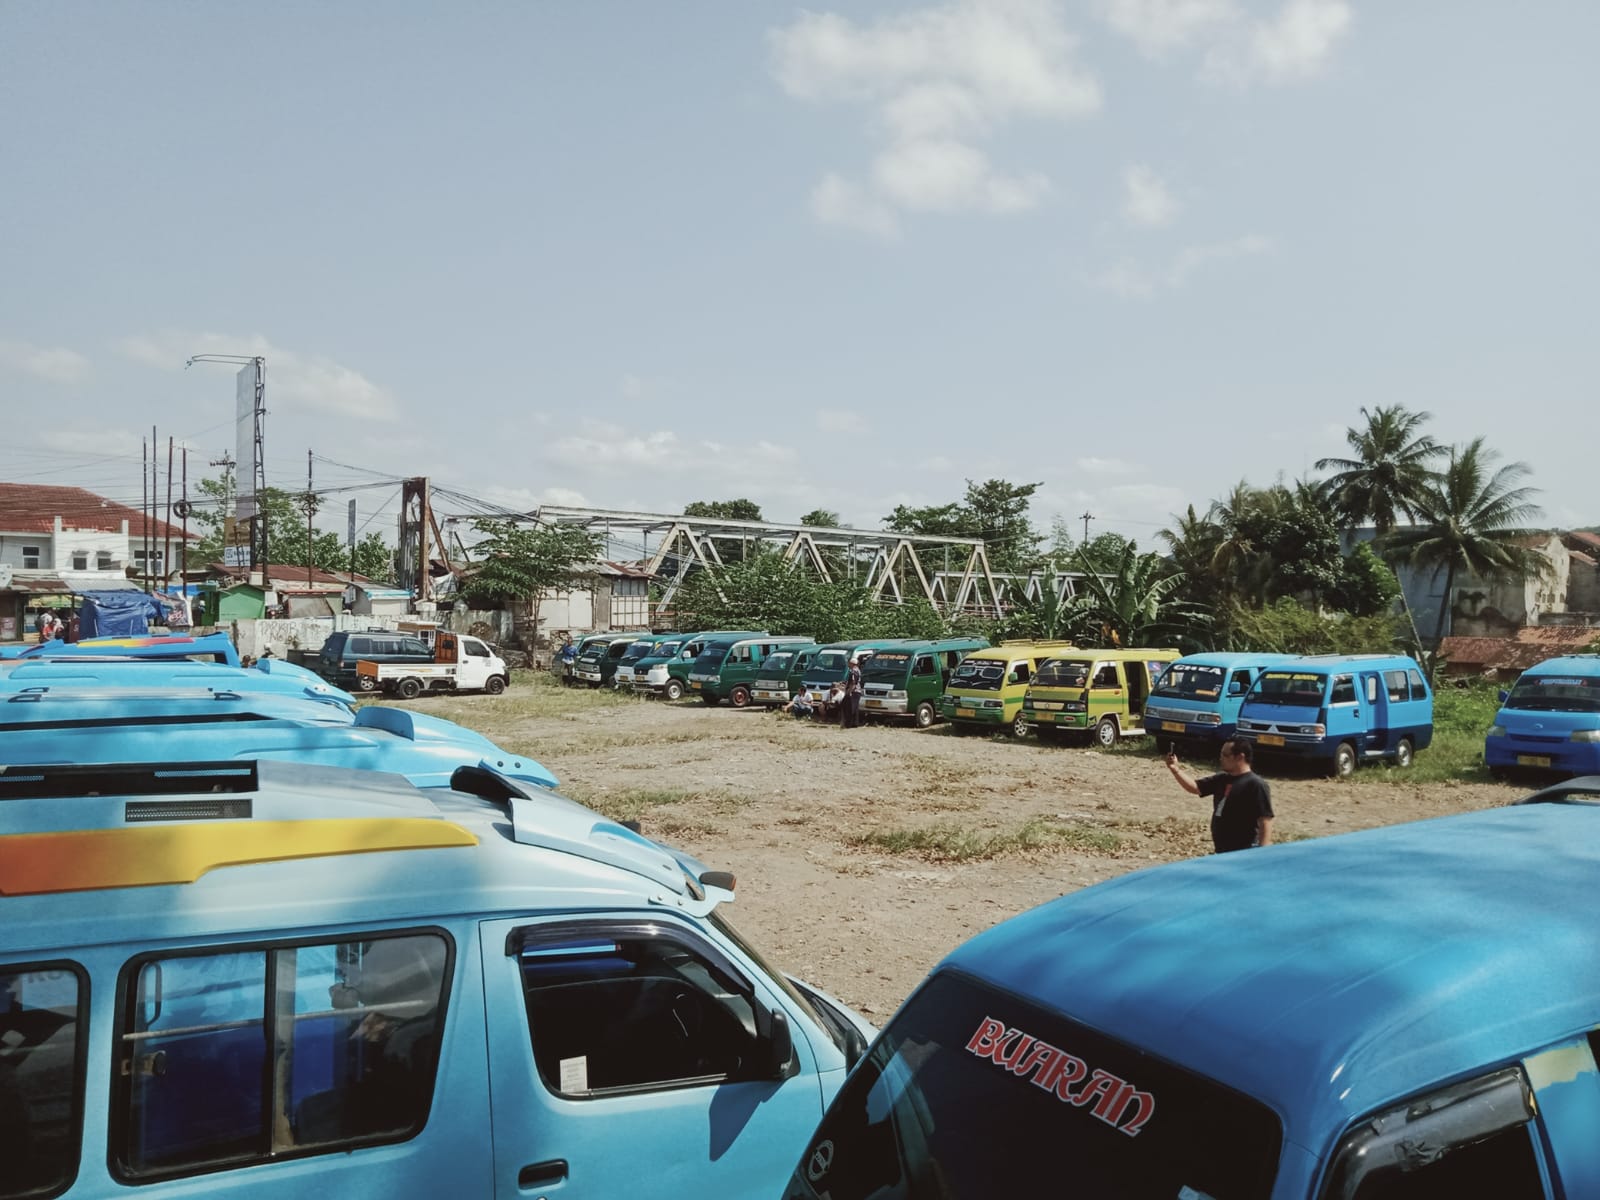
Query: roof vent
{"points": [[136, 811]]}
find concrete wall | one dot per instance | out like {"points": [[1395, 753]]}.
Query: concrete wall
{"points": [[283, 634]]}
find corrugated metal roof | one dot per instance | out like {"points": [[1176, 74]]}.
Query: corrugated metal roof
{"points": [[34, 507]]}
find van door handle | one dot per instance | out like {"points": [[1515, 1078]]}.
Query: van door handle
{"points": [[538, 1174]]}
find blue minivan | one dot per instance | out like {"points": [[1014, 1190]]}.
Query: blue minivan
{"points": [[1550, 720], [1406, 1013], [1197, 698], [1341, 709]]}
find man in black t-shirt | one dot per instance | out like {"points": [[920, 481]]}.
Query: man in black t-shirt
{"points": [[1241, 801]]}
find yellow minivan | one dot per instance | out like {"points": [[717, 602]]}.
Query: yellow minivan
{"points": [[1103, 691], [987, 689]]}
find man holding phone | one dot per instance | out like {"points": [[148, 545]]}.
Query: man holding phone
{"points": [[1241, 801]]}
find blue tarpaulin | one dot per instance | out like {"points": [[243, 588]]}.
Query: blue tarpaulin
{"points": [[117, 614]]}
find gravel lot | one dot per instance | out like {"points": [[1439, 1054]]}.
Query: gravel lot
{"points": [[864, 855]]}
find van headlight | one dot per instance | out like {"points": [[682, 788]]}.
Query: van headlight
{"points": [[1500, 731], [994, 703], [897, 695], [1586, 735], [1207, 718]]}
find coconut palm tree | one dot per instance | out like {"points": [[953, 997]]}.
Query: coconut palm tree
{"points": [[1470, 521], [1390, 469]]}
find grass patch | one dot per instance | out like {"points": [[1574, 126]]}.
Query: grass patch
{"points": [[952, 843], [1462, 715]]}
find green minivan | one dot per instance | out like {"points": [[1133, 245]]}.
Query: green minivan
{"points": [[666, 672], [726, 668], [906, 681], [832, 663], [598, 659], [782, 675]]}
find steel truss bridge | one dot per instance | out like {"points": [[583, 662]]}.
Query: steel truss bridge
{"points": [[952, 573]]}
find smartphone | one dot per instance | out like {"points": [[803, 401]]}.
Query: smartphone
{"points": [[1172, 748]]}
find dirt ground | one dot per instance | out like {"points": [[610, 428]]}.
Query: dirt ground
{"points": [[864, 855]]}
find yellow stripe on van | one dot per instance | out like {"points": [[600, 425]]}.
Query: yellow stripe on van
{"points": [[82, 860]]}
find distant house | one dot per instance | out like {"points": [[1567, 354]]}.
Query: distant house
{"points": [[603, 595], [1504, 658], [59, 541]]}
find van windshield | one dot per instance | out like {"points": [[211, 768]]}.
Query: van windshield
{"points": [[972, 1093], [711, 658], [1557, 693], [665, 650], [638, 650], [829, 663], [1289, 688], [777, 665], [886, 664], [983, 674], [1063, 673], [1184, 681]]}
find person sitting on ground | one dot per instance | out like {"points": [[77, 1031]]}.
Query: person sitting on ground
{"points": [[800, 704]]}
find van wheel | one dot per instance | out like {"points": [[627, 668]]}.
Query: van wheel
{"points": [[366, 683], [409, 688], [925, 715], [1019, 727], [1403, 753], [674, 690], [1107, 733], [740, 696], [1344, 761], [495, 684]]}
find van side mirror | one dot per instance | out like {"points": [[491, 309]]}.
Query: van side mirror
{"points": [[1504, 695], [1012, 678], [779, 1059]]}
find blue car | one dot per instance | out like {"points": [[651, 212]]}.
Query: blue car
{"points": [[1550, 719], [1197, 698], [1340, 710], [1407, 1011], [267, 979]]}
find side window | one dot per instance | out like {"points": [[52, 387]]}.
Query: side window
{"points": [[1105, 676], [923, 665], [1153, 670], [358, 647], [1419, 690], [80, 560], [741, 654], [1022, 671], [1395, 684], [43, 1011], [30, 558], [475, 648], [621, 1010], [411, 646], [238, 1056], [1503, 1167], [1372, 689], [1239, 683], [1344, 690]]}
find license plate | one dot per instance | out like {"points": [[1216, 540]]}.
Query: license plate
{"points": [[874, 703], [694, 683], [1533, 760], [1270, 739], [965, 712], [1042, 716], [1173, 726]]}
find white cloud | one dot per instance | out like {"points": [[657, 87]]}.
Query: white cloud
{"points": [[1103, 466], [1295, 43], [601, 444], [1130, 281], [54, 364], [836, 201], [938, 80], [1146, 198], [836, 420], [311, 383], [1160, 27]]}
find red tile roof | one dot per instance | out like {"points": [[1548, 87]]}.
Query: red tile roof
{"points": [[1533, 644], [34, 507], [1585, 538]]}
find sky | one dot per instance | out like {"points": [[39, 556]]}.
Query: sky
{"points": [[634, 255]]}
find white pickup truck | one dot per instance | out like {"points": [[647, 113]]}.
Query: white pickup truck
{"points": [[460, 664]]}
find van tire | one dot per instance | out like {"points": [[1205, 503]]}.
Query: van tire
{"points": [[925, 715], [1107, 733], [1403, 754], [1019, 726], [366, 683], [673, 690], [409, 688], [495, 684], [740, 696], [1344, 761]]}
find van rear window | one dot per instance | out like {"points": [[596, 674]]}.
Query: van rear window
{"points": [[972, 1093], [41, 1056]]}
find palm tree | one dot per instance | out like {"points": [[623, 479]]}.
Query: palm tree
{"points": [[1470, 522], [1133, 603], [1389, 472]]}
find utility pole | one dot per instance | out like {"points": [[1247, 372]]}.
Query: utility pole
{"points": [[311, 507], [166, 532], [230, 523], [1086, 518], [150, 516], [144, 506], [183, 548]]}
